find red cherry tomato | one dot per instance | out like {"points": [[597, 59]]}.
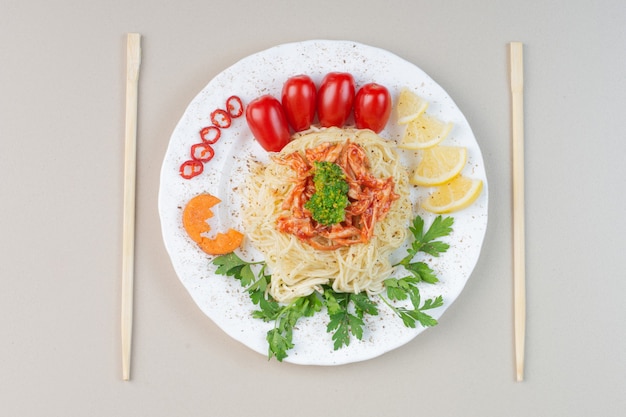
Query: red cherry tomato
{"points": [[372, 107], [267, 122], [335, 98], [298, 99]]}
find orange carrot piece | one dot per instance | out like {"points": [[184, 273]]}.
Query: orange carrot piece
{"points": [[196, 213], [195, 216], [223, 243]]}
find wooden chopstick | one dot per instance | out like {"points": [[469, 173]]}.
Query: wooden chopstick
{"points": [[519, 262], [133, 62]]}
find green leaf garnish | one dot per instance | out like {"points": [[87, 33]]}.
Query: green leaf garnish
{"points": [[342, 322], [345, 310], [407, 287]]}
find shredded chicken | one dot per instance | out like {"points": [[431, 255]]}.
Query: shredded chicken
{"points": [[370, 197]]}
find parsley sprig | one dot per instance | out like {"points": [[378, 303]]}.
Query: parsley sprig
{"points": [[346, 311], [280, 338], [253, 277], [343, 320], [426, 242], [400, 289]]}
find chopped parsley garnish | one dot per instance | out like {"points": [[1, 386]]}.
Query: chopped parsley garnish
{"points": [[328, 204], [345, 310]]}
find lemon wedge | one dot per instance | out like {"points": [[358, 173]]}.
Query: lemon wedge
{"points": [[410, 106], [455, 195], [424, 131], [439, 164]]}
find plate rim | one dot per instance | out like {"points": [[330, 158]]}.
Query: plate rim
{"points": [[332, 43]]}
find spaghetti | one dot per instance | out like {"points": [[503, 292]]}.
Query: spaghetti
{"points": [[356, 263]]}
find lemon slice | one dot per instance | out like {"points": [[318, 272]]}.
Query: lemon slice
{"points": [[410, 106], [424, 132], [439, 164], [455, 195]]}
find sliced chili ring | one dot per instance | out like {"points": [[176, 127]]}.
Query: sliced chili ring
{"points": [[234, 106], [210, 134], [202, 152], [191, 168], [220, 118]]}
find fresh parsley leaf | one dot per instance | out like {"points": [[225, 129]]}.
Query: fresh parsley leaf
{"points": [[246, 275], [344, 323], [356, 326], [340, 328], [255, 283], [363, 304], [432, 303], [259, 284], [279, 344], [345, 310], [394, 292], [269, 309], [422, 272], [424, 319], [418, 311], [337, 305], [280, 338], [400, 289], [425, 242], [311, 305], [229, 264], [410, 317], [440, 227]]}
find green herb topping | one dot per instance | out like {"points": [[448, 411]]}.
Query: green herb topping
{"points": [[328, 204], [345, 310]]}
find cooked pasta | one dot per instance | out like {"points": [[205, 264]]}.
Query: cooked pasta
{"points": [[299, 267]]}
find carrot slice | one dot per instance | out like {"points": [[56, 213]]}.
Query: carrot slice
{"points": [[195, 216], [196, 213], [223, 243]]}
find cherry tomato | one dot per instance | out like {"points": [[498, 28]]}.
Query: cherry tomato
{"points": [[298, 99], [372, 107], [335, 98], [268, 123]]}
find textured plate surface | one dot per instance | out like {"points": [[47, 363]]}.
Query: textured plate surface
{"points": [[221, 298]]}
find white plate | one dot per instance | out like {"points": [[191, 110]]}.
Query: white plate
{"points": [[222, 298]]}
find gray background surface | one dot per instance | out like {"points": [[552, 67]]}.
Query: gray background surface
{"points": [[61, 162]]}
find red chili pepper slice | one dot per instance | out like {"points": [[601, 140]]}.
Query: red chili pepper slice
{"points": [[220, 118], [190, 169], [202, 152], [210, 134], [234, 106]]}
